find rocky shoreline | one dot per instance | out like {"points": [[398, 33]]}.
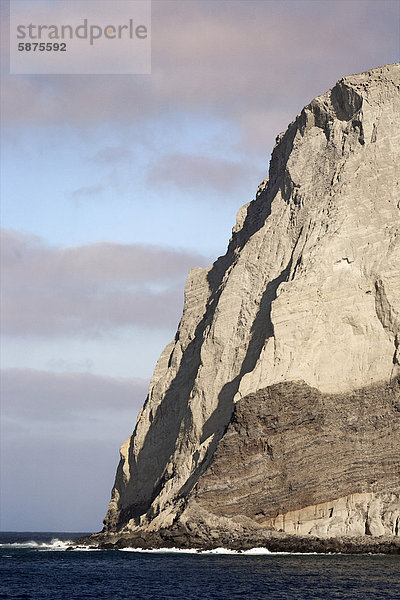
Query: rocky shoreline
{"points": [[180, 538]]}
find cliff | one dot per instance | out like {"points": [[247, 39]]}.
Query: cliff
{"points": [[277, 406]]}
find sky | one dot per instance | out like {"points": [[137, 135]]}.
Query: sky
{"points": [[112, 188]]}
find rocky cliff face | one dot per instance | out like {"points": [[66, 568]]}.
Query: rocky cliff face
{"points": [[299, 461], [277, 406]]}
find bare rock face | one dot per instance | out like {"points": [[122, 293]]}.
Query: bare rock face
{"points": [[306, 463], [277, 406]]}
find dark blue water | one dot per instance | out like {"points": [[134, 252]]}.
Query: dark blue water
{"points": [[43, 570]]}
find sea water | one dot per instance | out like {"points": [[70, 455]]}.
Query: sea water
{"points": [[39, 566]]}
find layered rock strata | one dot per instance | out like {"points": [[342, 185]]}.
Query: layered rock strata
{"points": [[276, 407], [306, 463]]}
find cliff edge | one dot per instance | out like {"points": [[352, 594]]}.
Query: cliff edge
{"points": [[275, 411]]}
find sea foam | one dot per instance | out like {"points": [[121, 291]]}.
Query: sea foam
{"points": [[251, 551], [54, 544]]}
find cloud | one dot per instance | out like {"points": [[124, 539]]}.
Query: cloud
{"points": [[227, 58], [60, 440], [51, 484], [69, 404], [109, 159], [110, 155], [91, 190], [190, 172], [90, 289]]}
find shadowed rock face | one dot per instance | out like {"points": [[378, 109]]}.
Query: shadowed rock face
{"points": [[290, 453], [287, 345]]}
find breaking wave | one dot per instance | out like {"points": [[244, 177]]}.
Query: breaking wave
{"points": [[56, 544], [53, 545], [250, 552]]}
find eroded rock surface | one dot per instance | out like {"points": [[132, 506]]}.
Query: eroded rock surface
{"points": [[298, 326], [299, 461]]}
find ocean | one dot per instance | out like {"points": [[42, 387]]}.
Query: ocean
{"points": [[38, 566]]}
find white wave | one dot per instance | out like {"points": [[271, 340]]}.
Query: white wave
{"points": [[256, 551], [161, 550], [221, 551], [237, 552], [61, 545], [54, 544], [251, 552], [85, 548]]}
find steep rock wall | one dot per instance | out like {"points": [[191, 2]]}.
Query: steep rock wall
{"points": [[297, 460], [308, 290]]}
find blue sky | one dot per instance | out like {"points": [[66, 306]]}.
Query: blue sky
{"points": [[113, 187]]}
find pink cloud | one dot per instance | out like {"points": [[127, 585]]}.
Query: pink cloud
{"points": [[191, 172], [41, 397], [233, 58], [60, 440], [94, 288]]}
